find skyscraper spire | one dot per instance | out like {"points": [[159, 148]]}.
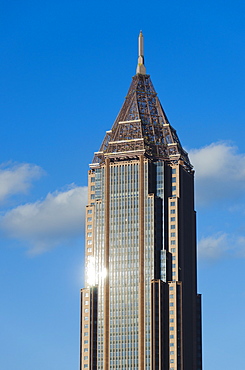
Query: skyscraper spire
{"points": [[140, 67]]}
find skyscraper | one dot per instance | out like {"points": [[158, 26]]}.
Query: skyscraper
{"points": [[140, 308]]}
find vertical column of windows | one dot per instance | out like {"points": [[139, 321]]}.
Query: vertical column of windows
{"points": [[173, 235], [113, 206], [89, 230], [99, 223], [163, 265], [89, 250], [173, 223], [91, 187], [173, 326], [160, 179], [174, 183], [147, 262], [85, 328], [173, 248], [149, 272]]}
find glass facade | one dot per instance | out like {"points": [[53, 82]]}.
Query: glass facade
{"points": [[124, 265], [124, 256]]}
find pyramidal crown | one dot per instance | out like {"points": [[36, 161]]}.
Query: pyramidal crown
{"points": [[141, 126]]}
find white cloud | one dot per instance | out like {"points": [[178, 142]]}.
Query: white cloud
{"points": [[17, 178], [221, 245], [213, 247], [220, 172], [45, 224], [220, 183]]}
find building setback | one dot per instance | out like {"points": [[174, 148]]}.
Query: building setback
{"points": [[140, 308]]}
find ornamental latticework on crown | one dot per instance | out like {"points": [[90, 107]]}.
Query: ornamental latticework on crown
{"points": [[141, 127]]}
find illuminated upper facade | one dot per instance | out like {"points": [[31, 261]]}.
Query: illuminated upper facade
{"points": [[140, 308]]}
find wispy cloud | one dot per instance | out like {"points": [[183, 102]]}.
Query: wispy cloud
{"points": [[47, 223], [221, 245], [17, 178], [220, 172], [213, 247]]}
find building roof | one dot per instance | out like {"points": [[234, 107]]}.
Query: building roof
{"points": [[141, 126]]}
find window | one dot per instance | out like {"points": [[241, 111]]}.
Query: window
{"points": [[86, 365], [171, 328], [171, 361], [89, 242], [171, 288], [171, 296], [86, 303], [172, 219], [173, 179], [86, 326], [171, 336], [173, 188], [173, 170], [174, 273], [86, 318], [171, 312], [172, 227], [89, 227], [89, 219], [92, 179], [172, 242], [89, 235], [89, 250], [89, 211], [92, 196], [85, 358], [87, 294], [172, 211], [86, 342], [171, 345], [92, 188], [86, 333], [86, 310], [172, 235], [172, 204], [171, 320], [173, 250], [173, 265], [171, 352], [171, 304]]}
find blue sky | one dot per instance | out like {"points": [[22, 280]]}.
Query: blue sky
{"points": [[65, 69]]}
